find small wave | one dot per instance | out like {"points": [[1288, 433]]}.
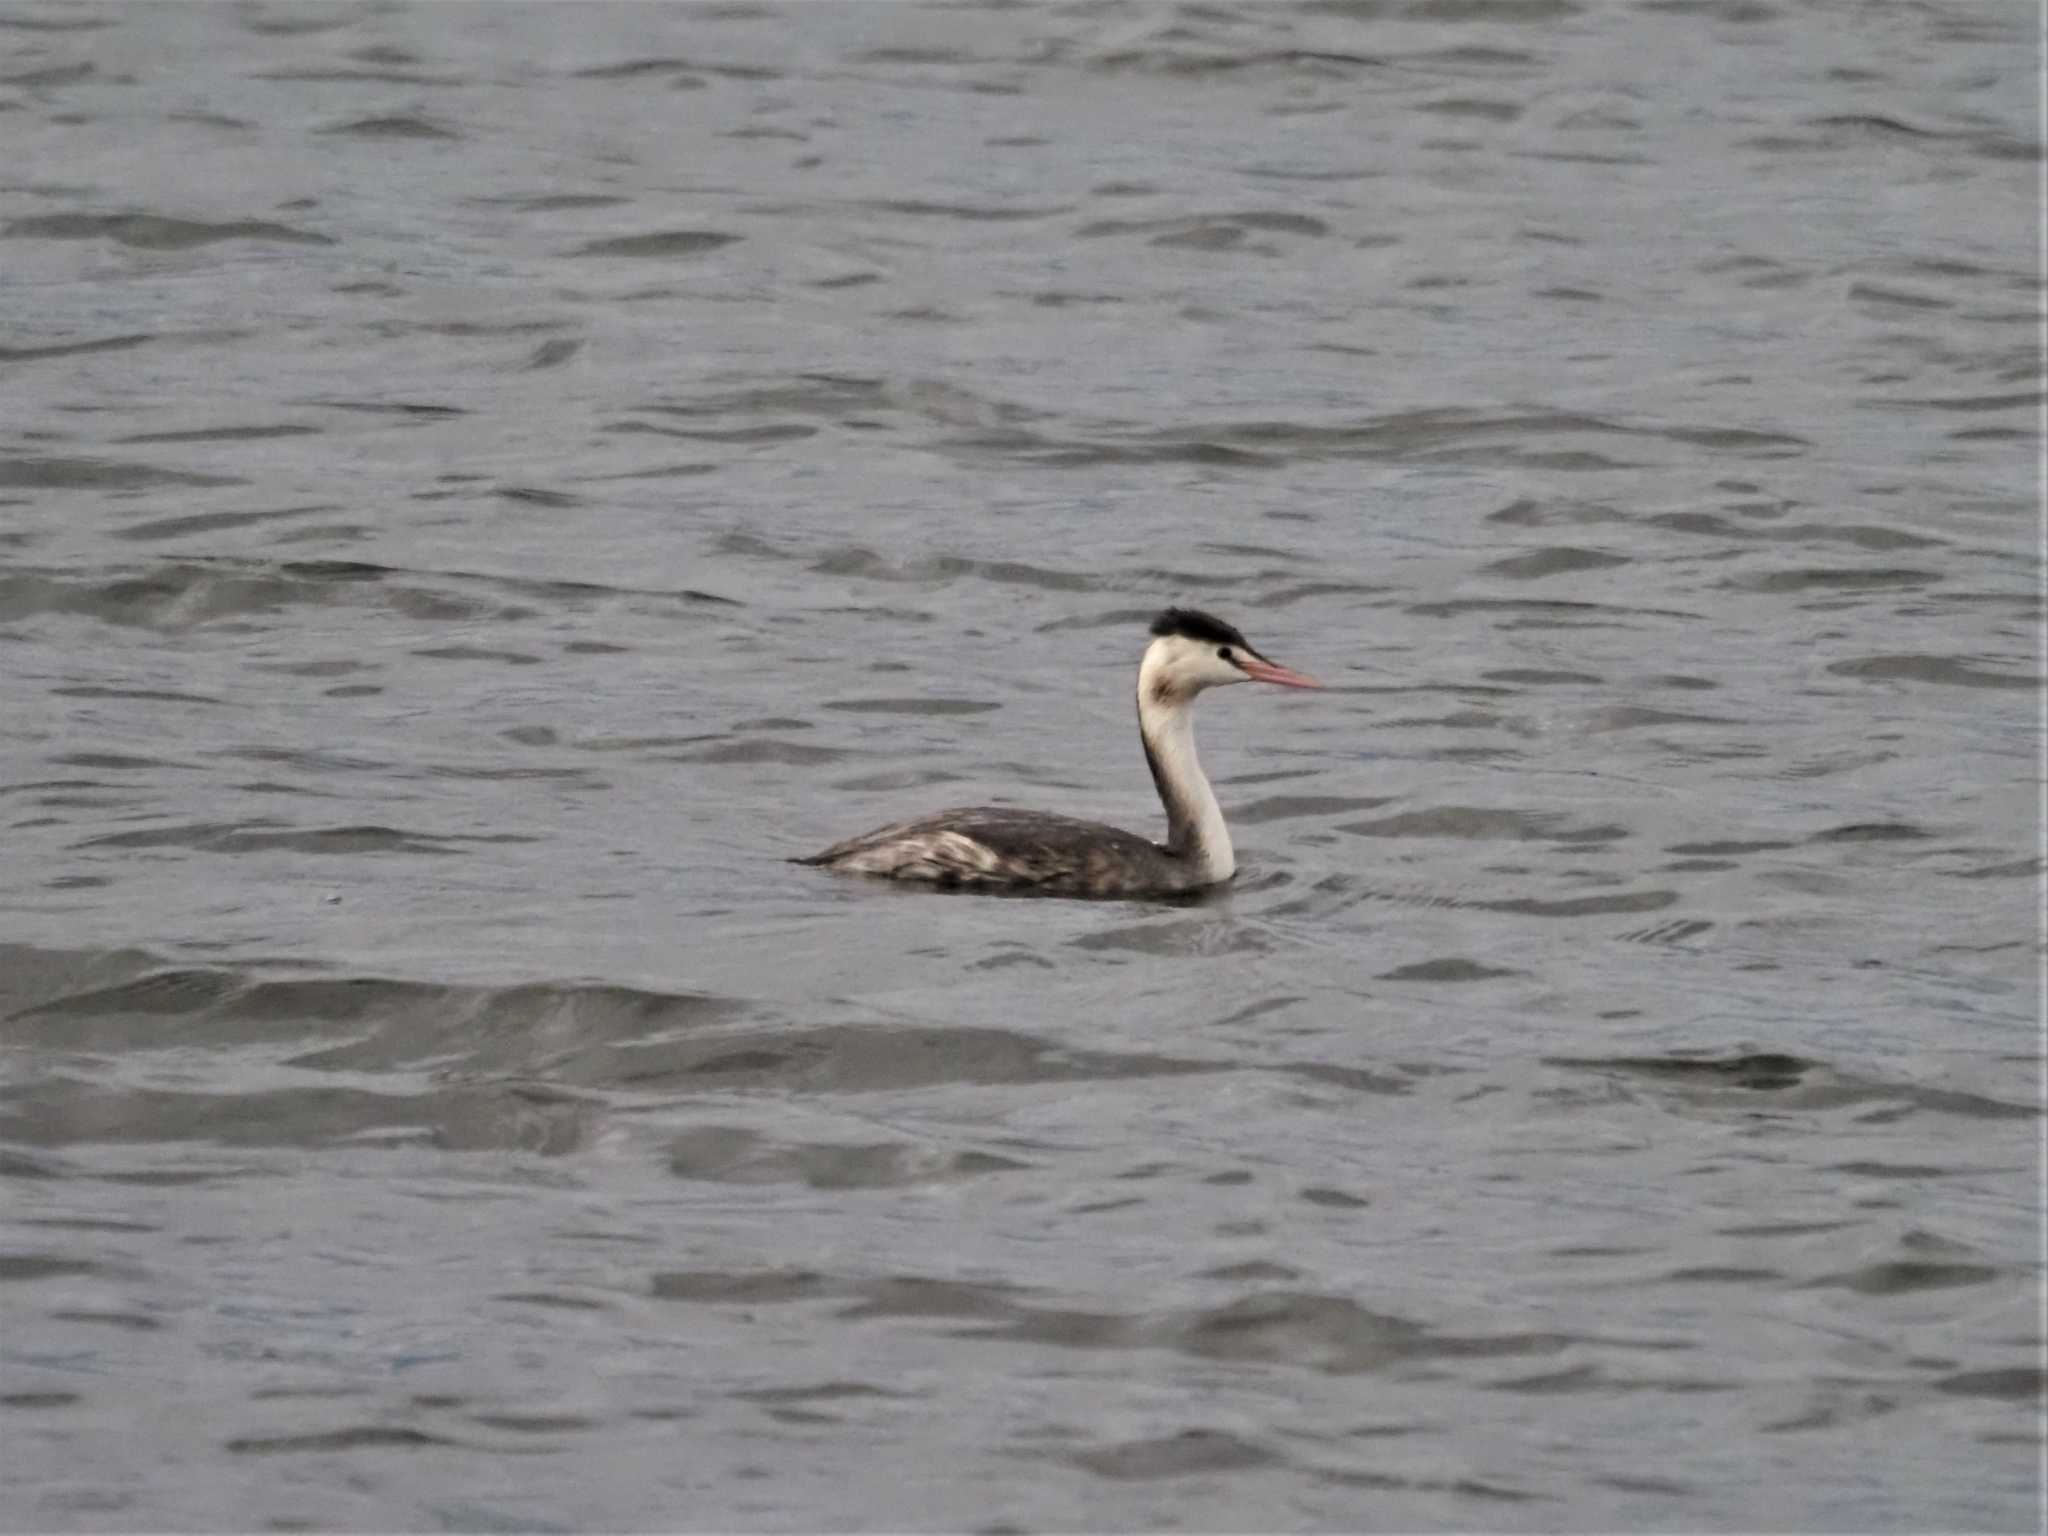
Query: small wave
{"points": [[1862, 535], [1795, 1082], [197, 590], [1449, 968], [1948, 671], [400, 127], [74, 348], [214, 522], [95, 474], [912, 706], [1486, 823], [675, 69], [1191, 1453], [268, 836], [674, 242], [151, 232], [1556, 561], [1169, 60], [735, 1155]]}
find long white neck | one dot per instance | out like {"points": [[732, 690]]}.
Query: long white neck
{"points": [[1194, 821]]}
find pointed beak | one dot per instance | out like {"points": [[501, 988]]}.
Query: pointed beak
{"points": [[1260, 670]]}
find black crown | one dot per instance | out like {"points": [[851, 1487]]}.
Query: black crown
{"points": [[1197, 625]]}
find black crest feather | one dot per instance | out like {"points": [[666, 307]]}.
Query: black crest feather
{"points": [[1197, 625]]}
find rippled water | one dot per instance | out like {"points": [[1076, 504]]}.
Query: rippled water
{"points": [[483, 485]]}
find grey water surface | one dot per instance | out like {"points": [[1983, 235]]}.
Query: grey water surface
{"points": [[481, 486]]}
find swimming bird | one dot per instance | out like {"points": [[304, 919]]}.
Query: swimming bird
{"points": [[994, 848]]}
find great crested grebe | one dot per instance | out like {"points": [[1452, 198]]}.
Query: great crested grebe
{"points": [[990, 847]]}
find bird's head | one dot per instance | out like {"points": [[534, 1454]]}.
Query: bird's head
{"points": [[1192, 650]]}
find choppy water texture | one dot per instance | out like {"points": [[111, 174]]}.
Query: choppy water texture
{"points": [[482, 485]]}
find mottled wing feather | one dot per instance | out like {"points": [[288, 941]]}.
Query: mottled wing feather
{"points": [[989, 846]]}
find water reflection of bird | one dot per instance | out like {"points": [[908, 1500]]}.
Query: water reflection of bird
{"points": [[993, 848]]}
